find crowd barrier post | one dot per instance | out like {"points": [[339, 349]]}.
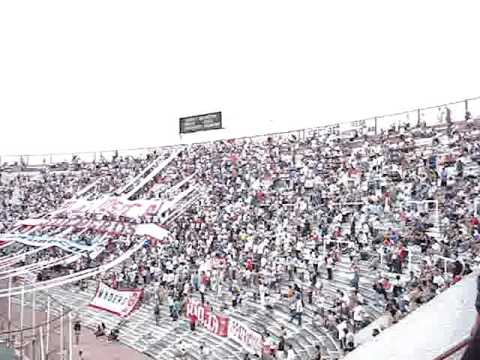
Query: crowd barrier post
{"points": [[62, 335], [42, 348], [21, 343], [22, 302], [34, 346], [70, 336], [445, 261], [33, 312], [9, 304], [47, 340]]}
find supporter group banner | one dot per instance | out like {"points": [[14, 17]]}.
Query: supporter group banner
{"points": [[251, 340], [222, 325], [114, 207], [111, 227], [154, 232], [118, 302], [215, 323], [48, 241]]}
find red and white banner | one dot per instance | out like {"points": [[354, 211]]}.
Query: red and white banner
{"points": [[151, 230], [112, 206], [118, 302], [249, 339], [222, 325], [111, 227], [215, 323]]}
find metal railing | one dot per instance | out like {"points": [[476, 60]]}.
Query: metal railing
{"points": [[431, 115], [29, 340], [456, 351]]}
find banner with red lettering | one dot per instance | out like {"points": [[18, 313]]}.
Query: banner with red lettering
{"points": [[215, 323], [118, 302], [113, 206], [110, 227], [249, 339]]}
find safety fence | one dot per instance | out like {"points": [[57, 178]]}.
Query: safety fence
{"points": [[455, 112], [36, 326]]}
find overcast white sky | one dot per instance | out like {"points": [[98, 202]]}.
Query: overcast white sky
{"points": [[98, 74]]}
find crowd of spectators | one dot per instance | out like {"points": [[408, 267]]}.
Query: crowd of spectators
{"points": [[280, 213], [273, 204]]}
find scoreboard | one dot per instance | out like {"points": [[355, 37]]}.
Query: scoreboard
{"points": [[211, 121]]}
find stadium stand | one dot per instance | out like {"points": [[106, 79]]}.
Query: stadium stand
{"points": [[298, 242]]}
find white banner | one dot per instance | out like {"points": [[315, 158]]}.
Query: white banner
{"points": [[110, 227], [114, 207], [45, 241], [118, 302], [153, 232], [250, 340]]}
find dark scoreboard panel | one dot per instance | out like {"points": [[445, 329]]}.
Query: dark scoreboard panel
{"points": [[203, 122]]}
